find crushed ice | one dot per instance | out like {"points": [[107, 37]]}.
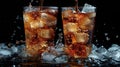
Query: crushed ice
{"points": [[98, 54]]}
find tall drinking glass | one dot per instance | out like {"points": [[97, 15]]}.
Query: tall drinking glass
{"points": [[39, 26], [78, 29]]}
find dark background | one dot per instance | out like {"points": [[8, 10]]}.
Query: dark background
{"points": [[106, 26]]}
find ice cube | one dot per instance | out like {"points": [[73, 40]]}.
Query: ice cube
{"points": [[27, 17], [46, 33], [94, 47], [71, 27], [61, 59], [50, 20], [93, 56], [82, 37], [67, 13], [59, 49], [88, 8], [37, 24], [114, 52], [114, 47], [48, 56], [102, 50], [99, 54], [116, 55], [21, 48], [3, 46], [5, 52], [14, 49], [24, 54], [85, 23]]}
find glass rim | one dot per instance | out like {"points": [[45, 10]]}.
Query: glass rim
{"points": [[35, 8], [80, 8]]}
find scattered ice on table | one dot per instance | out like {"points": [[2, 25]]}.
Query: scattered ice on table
{"points": [[114, 47], [114, 52], [3, 46], [48, 57], [14, 49], [54, 55], [102, 50], [61, 59], [94, 47], [5, 52], [98, 53]]}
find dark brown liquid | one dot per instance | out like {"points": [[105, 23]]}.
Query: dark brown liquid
{"points": [[39, 30], [77, 28]]}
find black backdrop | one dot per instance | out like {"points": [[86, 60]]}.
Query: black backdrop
{"points": [[106, 26]]}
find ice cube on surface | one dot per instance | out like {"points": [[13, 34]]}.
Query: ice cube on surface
{"points": [[48, 56], [5, 52], [114, 52], [61, 59], [116, 56], [14, 49], [114, 47], [94, 47], [24, 54], [3, 46], [102, 50], [99, 54]]}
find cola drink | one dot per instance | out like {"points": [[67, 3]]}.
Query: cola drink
{"points": [[78, 26], [39, 26]]}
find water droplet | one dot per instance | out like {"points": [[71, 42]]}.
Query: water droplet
{"points": [[105, 34], [107, 38], [18, 27], [96, 40], [104, 24], [117, 36]]}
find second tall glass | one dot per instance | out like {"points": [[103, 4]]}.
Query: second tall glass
{"points": [[78, 29]]}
